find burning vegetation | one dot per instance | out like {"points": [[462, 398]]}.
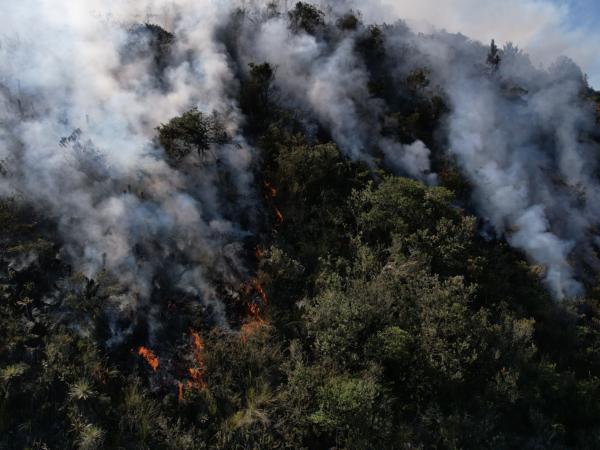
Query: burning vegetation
{"points": [[260, 291], [271, 193], [197, 372], [379, 313], [254, 322], [150, 357], [270, 190]]}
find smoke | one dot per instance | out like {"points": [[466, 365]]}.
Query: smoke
{"points": [[82, 93], [523, 137], [545, 28], [327, 80], [84, 86]]}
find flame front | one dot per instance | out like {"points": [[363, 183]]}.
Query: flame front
{"points": [[197, 378], [198, 344], [261, 292], [149, 356], [278, 216], [254, 325], [196, 373]]}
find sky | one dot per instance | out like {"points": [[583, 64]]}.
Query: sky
{"points": [[583, 12], [545, 29], [585, 15]]}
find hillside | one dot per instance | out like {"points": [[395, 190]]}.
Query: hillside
{"points": [[245, 227]]}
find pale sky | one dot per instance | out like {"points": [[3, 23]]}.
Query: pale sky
{"points": [[545, 29]]}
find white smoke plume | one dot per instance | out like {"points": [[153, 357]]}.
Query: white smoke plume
{"points": [[328, 80], [544, 27], [523, 137], [80, 100], [80, 103]]}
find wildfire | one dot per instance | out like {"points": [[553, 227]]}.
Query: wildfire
{"points": [[278, 216], [254, 311], [198, 344], [251, 329], [260, 291], [197, 380], [271, 190], [196, 373], [256, 322], [150, 357], [271, 193]]}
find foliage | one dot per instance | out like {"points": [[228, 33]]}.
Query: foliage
{"points": [[349, 21], [306, 17], [153, 43], [494, 58], [390, 321], [191, 132], [256, 95]]}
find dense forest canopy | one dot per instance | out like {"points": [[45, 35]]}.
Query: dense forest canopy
{"points": [[234, 226]]}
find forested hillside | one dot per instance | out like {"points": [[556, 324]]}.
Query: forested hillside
{"points": [[259, 228]]}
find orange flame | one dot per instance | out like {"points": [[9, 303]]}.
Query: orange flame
{"points": [[198, 343], [149, 356], [261, 292], [254, 311], [180, 391], [278, 216], [251, 328], [258, 253], [197, 378], [197, 373], [255, 323], [271, 190]]}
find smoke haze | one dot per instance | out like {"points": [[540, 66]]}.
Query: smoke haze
{"points": [[82, 93]]}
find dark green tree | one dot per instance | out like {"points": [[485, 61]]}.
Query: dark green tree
{"points": [[306, 17], [494, 56], [191, 132]]}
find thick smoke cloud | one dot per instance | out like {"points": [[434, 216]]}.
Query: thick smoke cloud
{"points": [[81, 98], [80, 103], [517, 132], [544, 27], [523, 138], [329, 81]]}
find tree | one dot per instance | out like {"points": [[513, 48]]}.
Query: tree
{"points": [[349, 21], [152, 42], [306, 17], [256, 92], [192, 131], [494, 56]]}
